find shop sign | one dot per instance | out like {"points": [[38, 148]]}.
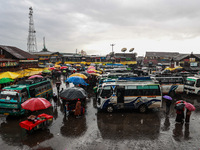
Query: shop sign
{"points": [[8, 64], [192, 59], [193, 64], [28, 60]]}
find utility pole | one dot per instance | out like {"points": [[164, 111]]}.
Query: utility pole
{"points": [[112, 46], [31, 43], [113, 54]]}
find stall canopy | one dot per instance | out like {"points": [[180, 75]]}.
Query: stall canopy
{"points": [[8, 74]]}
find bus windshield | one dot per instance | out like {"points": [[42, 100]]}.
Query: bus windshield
{"points": [[9, 95], [106, 92], [190, 83]]}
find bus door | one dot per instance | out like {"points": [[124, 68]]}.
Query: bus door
{"points": [[120, 96]]}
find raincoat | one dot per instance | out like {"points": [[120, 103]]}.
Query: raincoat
{"points": [[78, 108]]}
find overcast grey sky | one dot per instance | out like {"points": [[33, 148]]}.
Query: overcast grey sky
{"points": [[92, 25]]}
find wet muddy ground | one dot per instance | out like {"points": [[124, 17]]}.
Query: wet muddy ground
{"points": [[122, 130]]}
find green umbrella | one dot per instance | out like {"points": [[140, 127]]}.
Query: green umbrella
{"points": [[46, 71], [5, 80]]}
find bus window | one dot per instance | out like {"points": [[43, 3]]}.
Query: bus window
{"points": [[106, 92], [24, 95], [198, 83], [9, 95]]}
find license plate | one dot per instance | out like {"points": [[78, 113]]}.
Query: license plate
{"points": [[6, 113]]}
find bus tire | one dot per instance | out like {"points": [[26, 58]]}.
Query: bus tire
{"points": [[110, 108], [172, 94], [142, 108]]}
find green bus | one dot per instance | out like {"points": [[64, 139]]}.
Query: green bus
{"points": [[11, 97]]}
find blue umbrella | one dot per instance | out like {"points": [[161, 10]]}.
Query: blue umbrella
{"points": [[167, 97], [76, 80]]}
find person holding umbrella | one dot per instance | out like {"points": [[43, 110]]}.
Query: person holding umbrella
{"points": [[168, 101], [180, 107], [77, 112]]}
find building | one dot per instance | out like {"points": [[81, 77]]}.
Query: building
{"points": [[13, 59], [190, 62], [162, 58]]}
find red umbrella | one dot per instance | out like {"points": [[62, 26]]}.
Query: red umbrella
{"points": [[34, 104], [52, 68], [63, 67], [35, 76], [180, 101], [190, 107]]}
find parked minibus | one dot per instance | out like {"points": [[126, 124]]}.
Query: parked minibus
{"points": [[192, 85], [139, 95]]}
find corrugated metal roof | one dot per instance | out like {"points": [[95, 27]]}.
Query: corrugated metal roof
{"points": [[17, 53], [6, 60], [161, 54]]}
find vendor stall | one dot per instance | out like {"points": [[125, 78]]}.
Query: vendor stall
{"points": [[41, 121]]}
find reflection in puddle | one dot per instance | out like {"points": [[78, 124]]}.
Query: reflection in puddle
{"points": [[129, 125]]}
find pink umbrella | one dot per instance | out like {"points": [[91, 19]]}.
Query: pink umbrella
{"points": [[91, 67], [35, 76], [189, 106], [34, 104], [91, 71]]}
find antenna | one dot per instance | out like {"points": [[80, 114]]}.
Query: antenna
{"points": [[31, 43]]}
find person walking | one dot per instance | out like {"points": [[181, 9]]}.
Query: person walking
{"points": [[168, 102], [55, 99], [58, 87], [187, 117], [77, 112], [180, 107]]}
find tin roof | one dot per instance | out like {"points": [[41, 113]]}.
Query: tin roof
{"points": [[17, 53], [161, 54]]}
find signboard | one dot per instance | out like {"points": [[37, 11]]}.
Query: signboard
{"points": [[28, 60], [192, 59], [193, 64]]}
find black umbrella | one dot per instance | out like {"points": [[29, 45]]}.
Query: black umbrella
{"points": [[73, 93]]}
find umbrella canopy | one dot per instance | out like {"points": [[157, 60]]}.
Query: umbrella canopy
{"points": [[78, 75], [57, 66], [63, 67], [34, 104], [9, 74], [91, 71], [5, 80], [190, 107], [167, 97], [52, 68], [35, 76], [72, 93], [91, 67], [46, 71], [76, 80], [180, 101]]}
